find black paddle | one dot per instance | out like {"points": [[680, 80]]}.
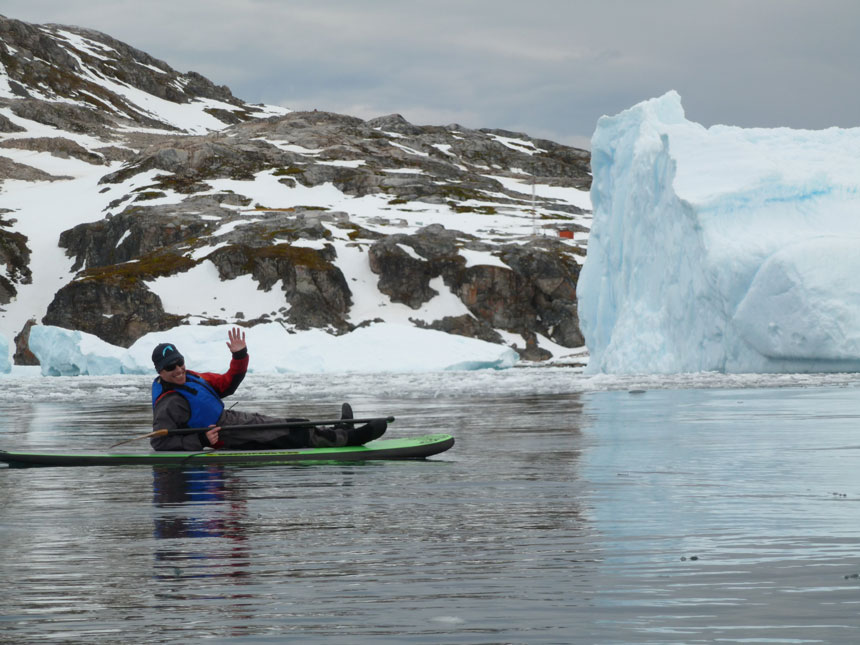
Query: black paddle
{"points": [[259, 426]]}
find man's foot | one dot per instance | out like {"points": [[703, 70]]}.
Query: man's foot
{"points": [[377, 428], [346, 411], [366, 433], [345, 415]]}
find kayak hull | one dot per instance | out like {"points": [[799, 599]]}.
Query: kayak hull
{"points": [[409, 448]]}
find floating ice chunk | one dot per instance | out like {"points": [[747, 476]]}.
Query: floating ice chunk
{"points": [[5, 362], [720, 249], [63, 352]]}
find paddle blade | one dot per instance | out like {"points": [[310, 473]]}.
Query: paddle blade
{"points": [[157, 433]]}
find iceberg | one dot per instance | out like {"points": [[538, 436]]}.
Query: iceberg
{"points": [[5, 363], [64, 352], [376, 348], [721, 249]]}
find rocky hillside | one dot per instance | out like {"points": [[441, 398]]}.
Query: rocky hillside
{"points": [[135, 198]]}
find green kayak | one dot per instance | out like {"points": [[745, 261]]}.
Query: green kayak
{"points": [[410, 448]]}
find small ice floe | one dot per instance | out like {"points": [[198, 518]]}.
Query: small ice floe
{"points": [[450, 620]]}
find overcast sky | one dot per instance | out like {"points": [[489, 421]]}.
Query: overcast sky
{"points": [[549, 68]]}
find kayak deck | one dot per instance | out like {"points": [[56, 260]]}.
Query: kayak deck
{"points": [[408, 448]]}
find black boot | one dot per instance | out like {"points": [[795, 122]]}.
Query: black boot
{"points": [[346, 411], [373, 430], [345, 414]]}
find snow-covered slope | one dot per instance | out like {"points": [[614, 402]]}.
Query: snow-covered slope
{"points": [[57, 65], [721, 248], [79, 110]]}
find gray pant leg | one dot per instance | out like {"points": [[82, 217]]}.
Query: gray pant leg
{"points": [[321, 437]]}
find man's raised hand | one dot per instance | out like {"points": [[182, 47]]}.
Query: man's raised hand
{"points": [[236, 340]]}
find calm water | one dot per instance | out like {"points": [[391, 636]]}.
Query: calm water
{"points": [[681, 516]]}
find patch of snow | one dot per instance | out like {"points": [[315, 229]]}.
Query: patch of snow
{"points": [[408, 250], [151, 67], [5, 88], [292, 147], [520, 145], [200, 253], [369, 304], [200, 291], [344, 163], [91, 47], [409, 150], [267, 191], [579, 198], [66, 204], [46, 162], [264, 111], [310, 244], [229, 227], [482, 258]]}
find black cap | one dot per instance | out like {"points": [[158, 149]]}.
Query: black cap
{"points": [[165, 354]]}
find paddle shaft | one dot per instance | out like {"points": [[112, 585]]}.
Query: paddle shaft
{"points": [[278, 425]]}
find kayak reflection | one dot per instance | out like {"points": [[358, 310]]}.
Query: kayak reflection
{"points": [[198, 503]]}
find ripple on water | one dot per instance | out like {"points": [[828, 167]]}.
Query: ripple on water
{"points": [[667, 516]]}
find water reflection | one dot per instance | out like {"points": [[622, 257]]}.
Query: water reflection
{"points": [[718, 514], [194, 503], [491, 542]]}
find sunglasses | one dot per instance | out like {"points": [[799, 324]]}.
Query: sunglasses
{"points": [[173, 366]]}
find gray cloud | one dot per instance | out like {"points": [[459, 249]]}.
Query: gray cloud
{"points": [[548, 67]]}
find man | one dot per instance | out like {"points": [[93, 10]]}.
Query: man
{"points": [[182, 398]]}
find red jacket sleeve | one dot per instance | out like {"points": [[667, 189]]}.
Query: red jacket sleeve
{"points": [[226, 384]]}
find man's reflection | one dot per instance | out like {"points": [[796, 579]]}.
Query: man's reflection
{"points": [[199, 503]]}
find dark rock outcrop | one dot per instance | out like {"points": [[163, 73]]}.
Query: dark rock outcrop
{"points": [[535, 295], [6, 125], [464, 325], [15, 256], [63, 116], [23, 355], [12, 170], [137, 232], [57, 146], [193, 159], [404, 276], [117, 309]]}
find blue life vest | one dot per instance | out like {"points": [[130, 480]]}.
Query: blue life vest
{"points": [[206, 405]]}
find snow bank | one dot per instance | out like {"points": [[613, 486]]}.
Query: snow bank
{"points": [[721, 249], [377, 348]]}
